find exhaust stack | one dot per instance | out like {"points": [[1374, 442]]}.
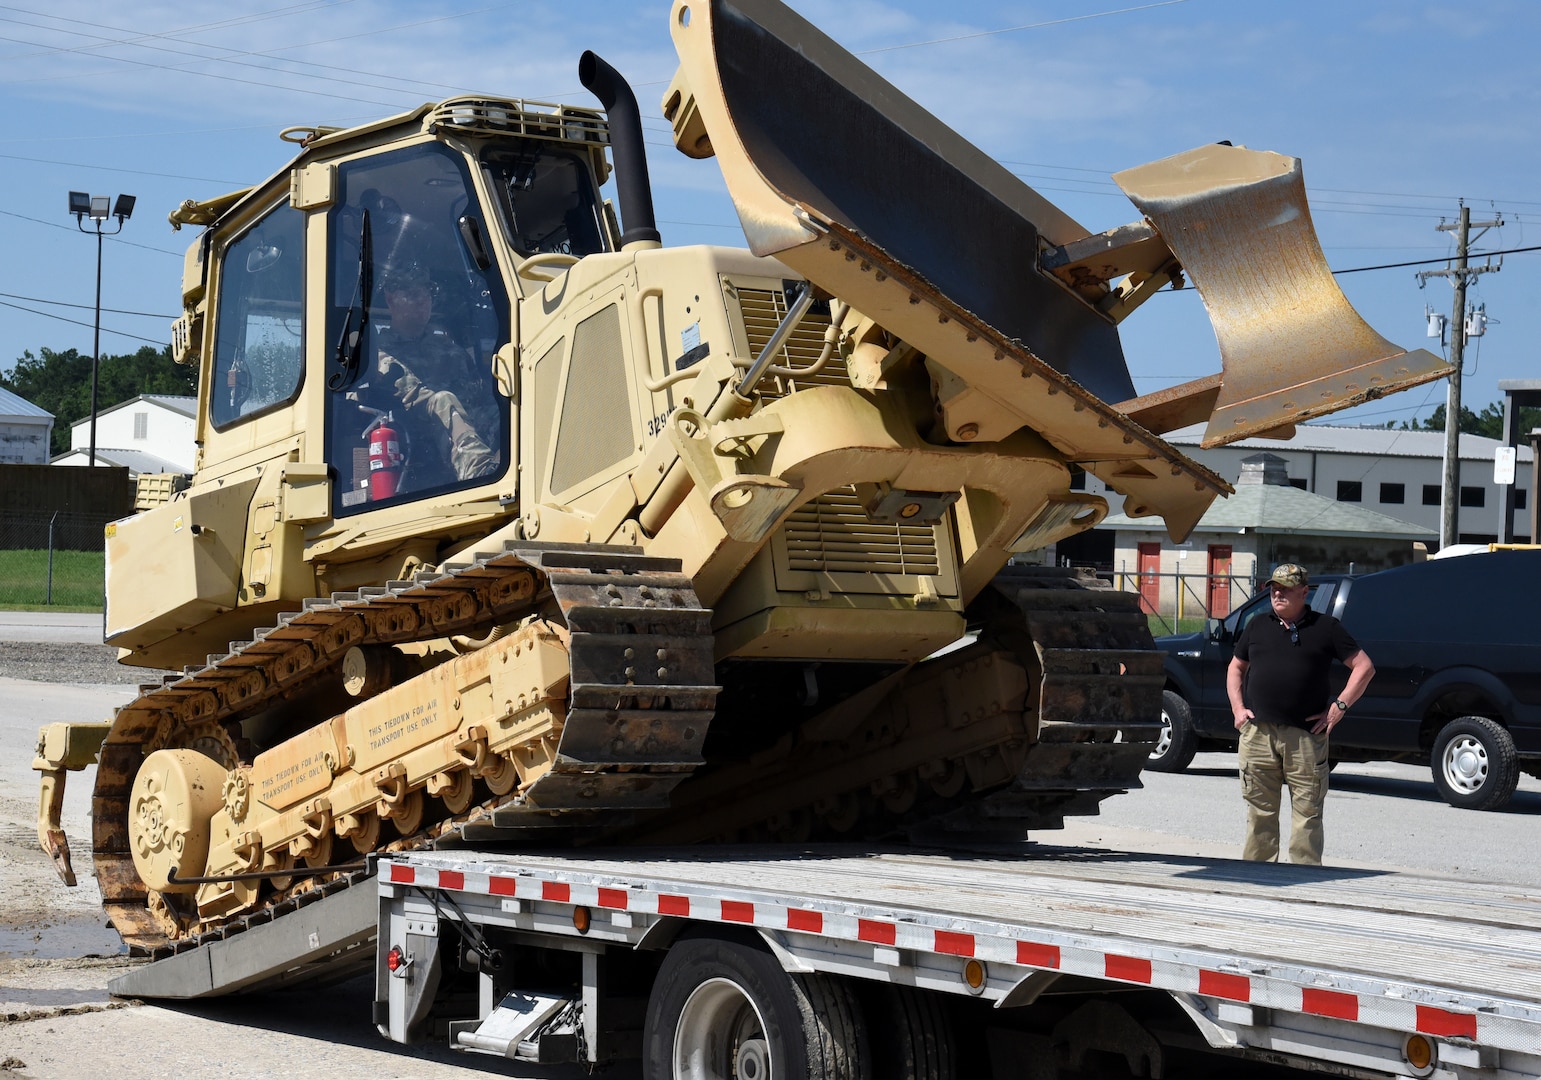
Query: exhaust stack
{"points": [[636, 189]]}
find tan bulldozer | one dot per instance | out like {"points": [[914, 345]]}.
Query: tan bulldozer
{"points": [[511, 525]]}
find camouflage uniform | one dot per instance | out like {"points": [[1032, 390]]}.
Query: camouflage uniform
{"points": [[434, 417]]}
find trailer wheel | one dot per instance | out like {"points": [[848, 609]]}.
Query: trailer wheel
{"points": [[723, 1009], [1474, 764], [916, 1041], [1178, 743]]}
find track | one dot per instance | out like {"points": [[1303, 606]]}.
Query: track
{"points": [[632, 733], [1054, 707], [1078, 733]]}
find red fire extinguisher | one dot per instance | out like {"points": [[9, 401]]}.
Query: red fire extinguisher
{"points": [[385, 458]]}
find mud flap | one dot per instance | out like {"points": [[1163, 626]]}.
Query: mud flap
{"points": [[1291, 345]]}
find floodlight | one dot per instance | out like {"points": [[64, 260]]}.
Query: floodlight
{"points": [[124, 207], [80, 203], [99, 207]]}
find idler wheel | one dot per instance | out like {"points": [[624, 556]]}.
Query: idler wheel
{"points": [[175, 793]]}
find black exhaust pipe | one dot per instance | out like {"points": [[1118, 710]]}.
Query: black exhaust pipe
{"points": [[636, 190]]}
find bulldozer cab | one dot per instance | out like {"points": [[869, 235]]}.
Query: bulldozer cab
{"points": [[401, 378]]}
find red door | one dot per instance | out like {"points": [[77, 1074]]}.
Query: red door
{"points": [[1150, 578], [1219, 580]]}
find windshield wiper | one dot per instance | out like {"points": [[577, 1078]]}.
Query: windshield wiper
{"points": [[349, 355]]}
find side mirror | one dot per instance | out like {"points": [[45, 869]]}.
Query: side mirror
{"points": [[1215, 629]]}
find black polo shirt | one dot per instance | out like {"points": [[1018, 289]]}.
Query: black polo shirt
{"points": [[1287, 681]]}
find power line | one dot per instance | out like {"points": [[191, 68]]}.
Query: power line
{"points": [[87, 307], [66, 228], [1426, 262], [77, 322]]}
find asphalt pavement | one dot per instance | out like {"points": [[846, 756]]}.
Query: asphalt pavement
{"points": [[84, 627]]}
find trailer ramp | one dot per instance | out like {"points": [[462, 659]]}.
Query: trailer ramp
{"points": [[324, 939]]}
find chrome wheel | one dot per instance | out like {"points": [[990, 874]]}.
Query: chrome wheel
{"points": [[1164, 742], [1465, 764], [721, 1035]]}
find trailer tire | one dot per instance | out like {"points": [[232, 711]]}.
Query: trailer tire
{"points": [[1178, 743], [917, 1040], [723, 1007], [1474, 764]]}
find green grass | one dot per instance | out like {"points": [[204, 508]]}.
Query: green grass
{"points": [[1160, 626], [78, 580]]}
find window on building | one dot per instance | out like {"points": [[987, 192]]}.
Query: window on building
{"points": [[1393, 494], [1430, 494], [1519, 498], [1350, 491], [1298, 482], [141, 425], [1473, 496]]}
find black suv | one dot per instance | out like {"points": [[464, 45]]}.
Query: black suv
{"points": [[1457, 649]]}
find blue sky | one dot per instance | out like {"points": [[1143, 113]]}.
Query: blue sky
{"points": [[1399, 110]]}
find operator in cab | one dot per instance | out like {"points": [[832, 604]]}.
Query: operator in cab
{"points": [[430, 374]]}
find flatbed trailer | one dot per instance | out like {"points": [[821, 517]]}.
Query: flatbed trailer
{"points": [[774, 962]]}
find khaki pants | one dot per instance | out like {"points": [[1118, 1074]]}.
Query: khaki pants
{"points": [[1270, 756]]}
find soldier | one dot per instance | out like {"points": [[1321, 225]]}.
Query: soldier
{"points": [[426, 369]]}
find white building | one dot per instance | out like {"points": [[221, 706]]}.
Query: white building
{"points": [[24, 431], [1395, 473], [152, 433]]}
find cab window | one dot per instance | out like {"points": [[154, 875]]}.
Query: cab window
{"points": [[415, 319], [546, 197], [259, 325]]}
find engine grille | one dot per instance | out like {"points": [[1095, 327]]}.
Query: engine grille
{"points": [[830, 541], [833, 534], [763, 310]]}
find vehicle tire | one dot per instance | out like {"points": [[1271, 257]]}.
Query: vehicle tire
{"points": [[916, 1040], [722, 1007], [1474, 764], [1179, 742]]}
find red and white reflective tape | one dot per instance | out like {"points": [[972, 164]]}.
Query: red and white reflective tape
{"points": [[1478, 1024]]}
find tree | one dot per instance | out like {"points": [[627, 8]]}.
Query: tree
{"points": [[1488, 423], [61, 383]]}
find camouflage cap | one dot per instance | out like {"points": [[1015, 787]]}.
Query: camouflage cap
{"points": [[400, 277], [1289, 575]]}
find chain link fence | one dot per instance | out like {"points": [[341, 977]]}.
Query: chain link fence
{"points": [[1181, 603], [52, 559]]}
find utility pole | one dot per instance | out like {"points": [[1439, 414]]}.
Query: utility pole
{"points": [[1460, 274]]}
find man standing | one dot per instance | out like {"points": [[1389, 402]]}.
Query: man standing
{"points": [[1283, 707]]}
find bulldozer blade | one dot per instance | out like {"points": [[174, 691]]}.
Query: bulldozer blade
{"points": [[809, 137], [873, 199], [1291, 345]]}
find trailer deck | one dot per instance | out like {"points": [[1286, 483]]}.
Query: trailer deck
{"points": [[1258, 954]]}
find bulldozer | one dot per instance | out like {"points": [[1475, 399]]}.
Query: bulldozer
{"points": [[510, 525]]}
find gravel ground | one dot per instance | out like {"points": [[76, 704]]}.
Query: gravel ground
{"points": [[69, 662]]}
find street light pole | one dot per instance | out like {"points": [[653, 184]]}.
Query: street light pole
{"points": [[83, 206]]}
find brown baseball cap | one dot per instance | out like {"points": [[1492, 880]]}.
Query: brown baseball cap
{"points": [[1289, 575]]}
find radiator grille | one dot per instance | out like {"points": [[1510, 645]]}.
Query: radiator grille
{"points": [[833, 534], [763, 310]]}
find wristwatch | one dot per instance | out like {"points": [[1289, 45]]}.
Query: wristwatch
{"points": [[1341, 704]]}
